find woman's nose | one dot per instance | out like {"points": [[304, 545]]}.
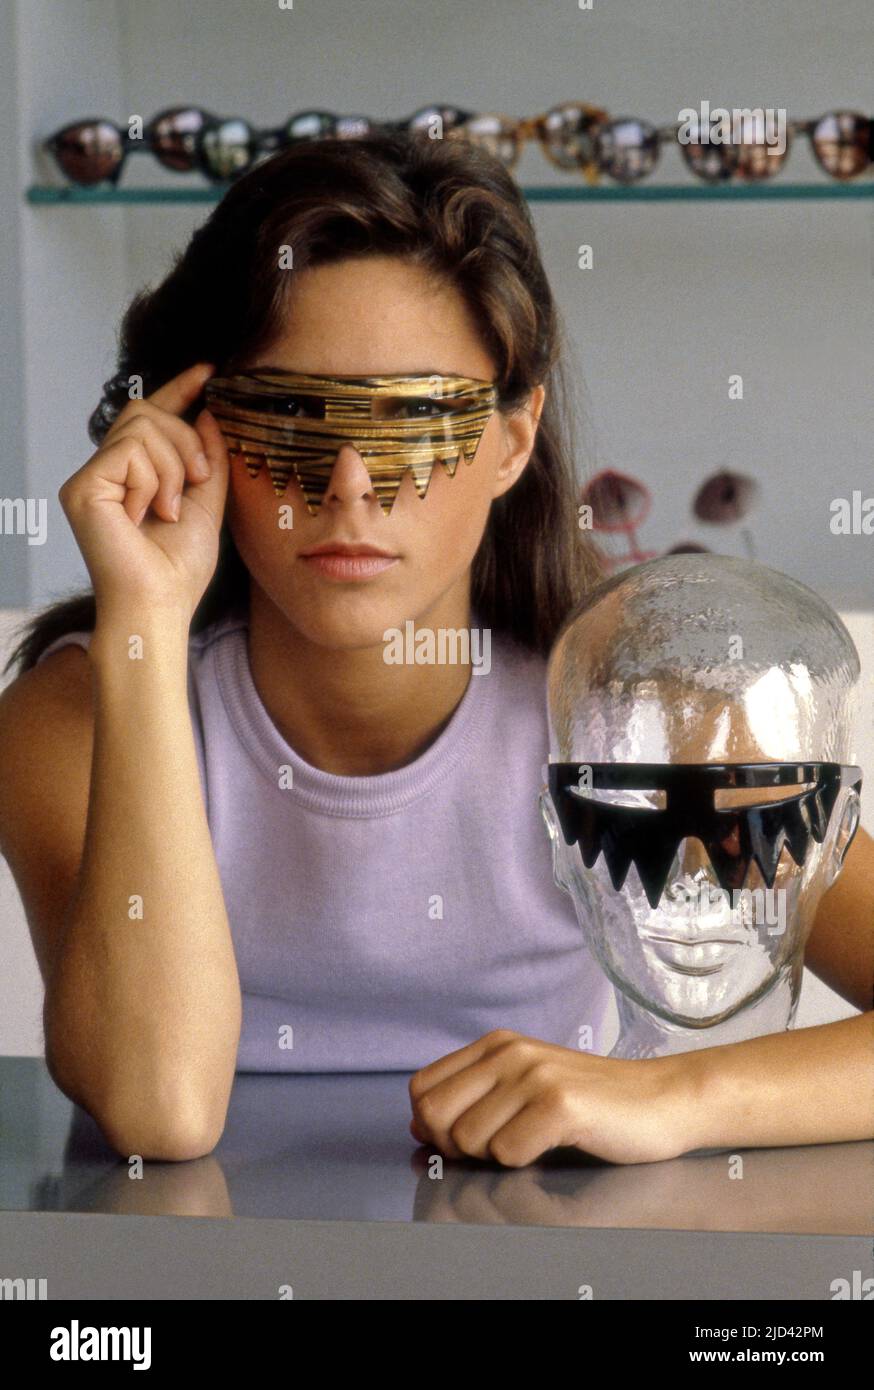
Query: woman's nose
{"points": [[349, 479]]}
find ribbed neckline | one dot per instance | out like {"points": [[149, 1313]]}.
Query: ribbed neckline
{"points": [[326, 792]]}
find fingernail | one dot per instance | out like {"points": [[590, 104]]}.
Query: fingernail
{"points": [[201, 465], [174, 507], [138, 519]]}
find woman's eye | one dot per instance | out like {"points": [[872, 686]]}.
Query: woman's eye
{"points": [[409, 408], [301, 407]]}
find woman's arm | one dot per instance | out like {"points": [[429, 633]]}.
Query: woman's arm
{"points": [[805, 1086], [840, 948], [102, 818], [510, 1098], [142, 1010]]}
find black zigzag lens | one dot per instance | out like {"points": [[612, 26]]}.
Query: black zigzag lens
{"points": [[649, 837]]}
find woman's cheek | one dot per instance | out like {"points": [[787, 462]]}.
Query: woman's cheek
{"points": [[264, 545]]}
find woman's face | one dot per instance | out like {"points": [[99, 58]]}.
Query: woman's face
{"points": [[383, 316]]}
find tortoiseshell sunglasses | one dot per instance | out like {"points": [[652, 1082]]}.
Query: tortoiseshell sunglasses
{"points": [[628, 149], [566, 135]]}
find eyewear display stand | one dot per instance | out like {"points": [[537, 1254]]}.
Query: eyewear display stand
{"points": [[545, 193]]}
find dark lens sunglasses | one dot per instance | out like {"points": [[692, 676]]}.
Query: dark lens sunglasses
{"points": [[94, 150], [841, 142], [628, 149], [434, 121], [229, 147], [649, 837]]}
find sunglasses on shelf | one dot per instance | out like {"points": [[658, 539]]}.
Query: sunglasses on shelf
{"points": [[566, 135], [94, 150], [437, 118], [573, 136], [230, 147], [628, 149], [186, 138], [842, 143]]}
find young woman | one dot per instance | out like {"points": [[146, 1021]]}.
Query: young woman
{"points": [[246, 840]]}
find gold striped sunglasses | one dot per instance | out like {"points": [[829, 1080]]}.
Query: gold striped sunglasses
{"points": [[294, 425]]}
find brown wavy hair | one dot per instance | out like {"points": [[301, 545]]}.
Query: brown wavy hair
{"points": [[443, 205]]}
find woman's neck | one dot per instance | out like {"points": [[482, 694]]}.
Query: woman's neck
{"points": [[350, 712]]}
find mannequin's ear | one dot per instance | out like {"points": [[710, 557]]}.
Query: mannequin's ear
{"points": [[847, 827], [553, 829]]}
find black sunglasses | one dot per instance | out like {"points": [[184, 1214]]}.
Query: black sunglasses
{"points": [[94, 150], [229, 147], [732, 836], [185, 138]]}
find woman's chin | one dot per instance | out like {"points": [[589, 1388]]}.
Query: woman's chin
{"points": [[346, 620]]}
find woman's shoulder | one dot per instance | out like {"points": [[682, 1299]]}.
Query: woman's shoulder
{"points": [[198, 643], [489, 648]]}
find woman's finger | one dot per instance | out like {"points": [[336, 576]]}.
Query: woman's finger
{"points": [[184, 436], [127, 464], [165, 459], [212, 493], [182, 391]]}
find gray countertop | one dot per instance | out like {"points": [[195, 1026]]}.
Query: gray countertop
{"points": [[329, 1194]]}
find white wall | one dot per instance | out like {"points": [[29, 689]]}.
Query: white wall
{"points": [[72, 274], [13, 478]]}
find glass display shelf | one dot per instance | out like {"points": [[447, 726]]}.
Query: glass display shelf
{"points": [[544, 193]]}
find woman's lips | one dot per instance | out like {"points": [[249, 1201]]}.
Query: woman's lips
{"points": [[335, 565]]}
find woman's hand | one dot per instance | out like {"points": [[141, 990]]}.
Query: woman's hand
{"points": [[150, 458], [510, 1098]]}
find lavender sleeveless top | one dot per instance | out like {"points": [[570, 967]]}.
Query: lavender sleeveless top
{"points": [[380, 922]]}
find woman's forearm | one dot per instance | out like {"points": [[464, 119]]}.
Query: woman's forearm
{"points": [[143, 1007], [805, 1086]]}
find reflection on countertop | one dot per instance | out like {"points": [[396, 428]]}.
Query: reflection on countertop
{"points": [[338, 1147]]}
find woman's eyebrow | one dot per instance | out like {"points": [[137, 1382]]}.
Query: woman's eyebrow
{"points": [[288, 371], [275, 367]]}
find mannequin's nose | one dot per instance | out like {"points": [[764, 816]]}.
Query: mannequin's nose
{"points": [[694, 857]]}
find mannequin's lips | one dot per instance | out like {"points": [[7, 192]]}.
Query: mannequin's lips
{"points": [[694, 954]]}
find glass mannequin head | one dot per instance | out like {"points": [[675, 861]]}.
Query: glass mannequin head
{"points": [[702, 659]]}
